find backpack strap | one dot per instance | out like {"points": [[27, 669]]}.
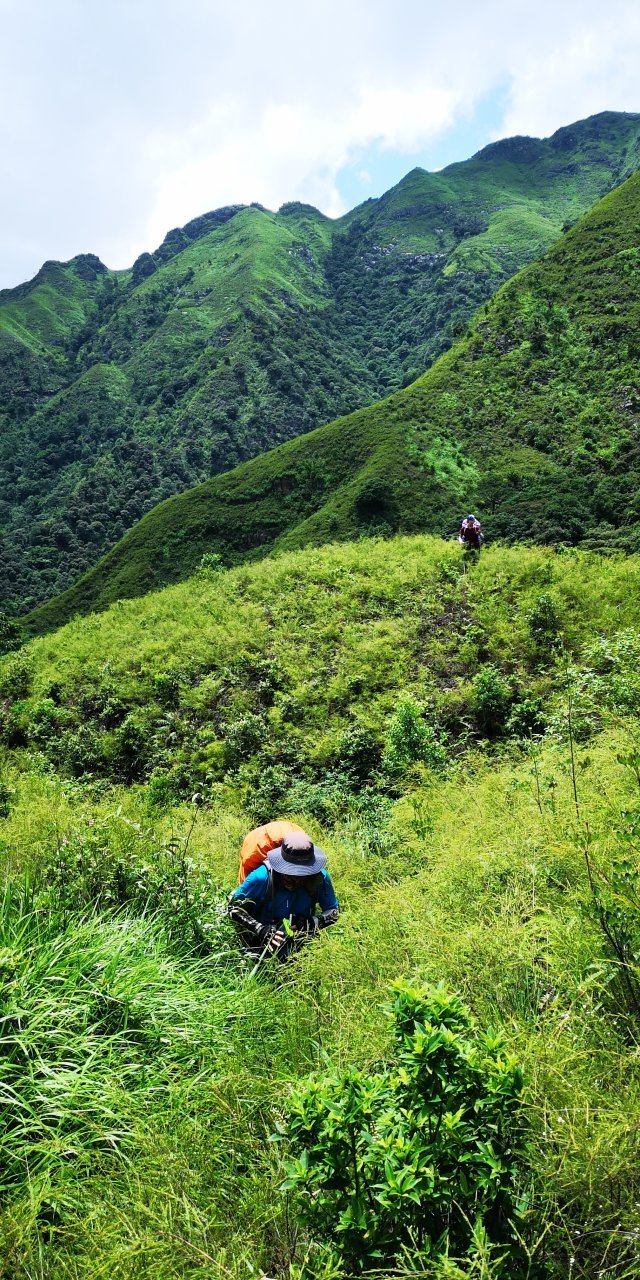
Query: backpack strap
{"points": [[271, 886]]}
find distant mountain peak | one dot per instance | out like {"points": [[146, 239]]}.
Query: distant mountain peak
{"points": [[521, 149], [298, 208]]}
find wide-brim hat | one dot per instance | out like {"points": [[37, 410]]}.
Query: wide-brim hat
{"points": [[297, 856]]}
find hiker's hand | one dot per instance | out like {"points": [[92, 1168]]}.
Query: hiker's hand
{"points": [[308, 928], [276, 940]]}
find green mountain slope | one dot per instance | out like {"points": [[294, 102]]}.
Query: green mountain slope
{"points": [[533, 418], [247, 328], [37, 322]]}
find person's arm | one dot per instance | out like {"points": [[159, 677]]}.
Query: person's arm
{"points": [[244, 903], [328, 903], [325, 898]]}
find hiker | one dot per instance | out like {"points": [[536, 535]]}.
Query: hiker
{"points": [[283, 881], [471, 534]]}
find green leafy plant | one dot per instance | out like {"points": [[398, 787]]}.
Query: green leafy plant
{"points": [[543, 623], [411, 740], [419, 1158], [16, 674], [491, 699], [11, 634], [210, 564]]}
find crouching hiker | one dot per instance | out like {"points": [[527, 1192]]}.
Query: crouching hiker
{"points": [[285, 896]]}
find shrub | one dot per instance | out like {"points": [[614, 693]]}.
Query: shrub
{"points": [[46, 721], [606, 682], [490, 700], [359, 752], [210, 564], [526, 718], [243, 737], [132, 746], [165, 789], [543, 624], [83, 752], [420, 1159], [11, 634], [410, 740], [327, 800], [264, 789]]}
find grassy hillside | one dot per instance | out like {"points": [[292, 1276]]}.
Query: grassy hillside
{"points": [[461, 743], [284, 667], [247, 328], [532, 418]]}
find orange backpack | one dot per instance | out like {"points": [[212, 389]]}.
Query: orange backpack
{"points": [[257, 846]]}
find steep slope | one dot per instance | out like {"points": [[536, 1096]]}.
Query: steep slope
{"points": [[247, 328], [534, 418]]}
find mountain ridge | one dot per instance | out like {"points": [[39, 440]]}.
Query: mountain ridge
{"points": [[252, 333]]}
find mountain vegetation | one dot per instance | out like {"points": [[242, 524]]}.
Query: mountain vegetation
{"points": [[531, 417], [460, 738], [247, 328]]}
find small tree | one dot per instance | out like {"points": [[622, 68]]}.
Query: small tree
{"points": [[410, 739], [491, 699], [418, 1160]]}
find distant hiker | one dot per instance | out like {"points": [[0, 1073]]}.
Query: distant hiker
{"points": [[471, 534], [285, 894]]}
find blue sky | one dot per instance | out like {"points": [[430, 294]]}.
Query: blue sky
{"points": [[378, 168], [119, 121]]}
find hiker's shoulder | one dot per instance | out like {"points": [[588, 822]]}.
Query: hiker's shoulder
{"points": [[258, 875], [255, 880]]}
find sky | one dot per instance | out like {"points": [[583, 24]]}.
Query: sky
{"points": [[122, 119]]}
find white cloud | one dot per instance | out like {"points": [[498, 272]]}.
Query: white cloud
{"points": [[594, 68], [290, 152], [119, 121]]}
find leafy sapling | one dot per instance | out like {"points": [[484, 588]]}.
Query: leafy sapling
{"points": [[415, 1160]]}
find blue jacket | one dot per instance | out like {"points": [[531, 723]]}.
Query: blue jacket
{"points": [[261, 904]]}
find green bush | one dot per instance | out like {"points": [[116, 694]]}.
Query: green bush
{"points": [[410, 740], [420, 1159], [490, 700], [11, 634], [543, 624], [243, 737], [359, 752], [83, 752], [526, 718], [210, 564], [46, 721], [327, 800]]}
